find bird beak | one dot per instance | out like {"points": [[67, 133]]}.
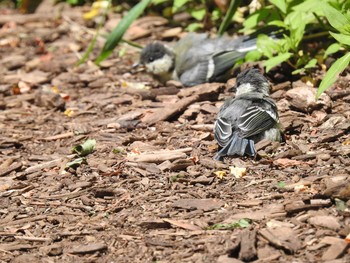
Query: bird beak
{"points": [[135, 65], [138, 67]]}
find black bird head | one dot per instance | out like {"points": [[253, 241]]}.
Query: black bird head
{"points": [[251, 80], [157, 58]]}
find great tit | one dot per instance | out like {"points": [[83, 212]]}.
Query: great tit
{"points": [[195, 59], [248, 118]]}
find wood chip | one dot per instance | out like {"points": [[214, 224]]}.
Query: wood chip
{"points": [[336, 250], [183, 224], [200, 204], [282, 237], [11, 168], [89, 248], [157, 157], [200, 93], [248, 250]]}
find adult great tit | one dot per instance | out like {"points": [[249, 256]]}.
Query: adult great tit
{"points": [[195, 58], [248, 118]]}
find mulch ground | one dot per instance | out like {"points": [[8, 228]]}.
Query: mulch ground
{"points": [[150, 191]]}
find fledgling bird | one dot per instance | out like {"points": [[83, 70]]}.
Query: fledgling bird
{"points": [[248, 118], [196, 59]]}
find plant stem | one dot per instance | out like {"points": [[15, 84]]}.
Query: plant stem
{"points": [[131, 43], [316, 35], [234, 4]]}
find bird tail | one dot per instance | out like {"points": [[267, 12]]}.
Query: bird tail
{"points": [[237, 146], [249, 43]]}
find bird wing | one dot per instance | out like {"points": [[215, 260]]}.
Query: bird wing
{"points": [[223, 62], [224, 125], [222, 131], [195, 75], [258, 118]]}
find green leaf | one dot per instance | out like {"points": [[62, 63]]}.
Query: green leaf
{"points": [[178, 4], [198, 14], [312, 63], [234, 4], [216, 14], [75, 163], [333, 73], [266, 45], [158, 2], [340, 205], [337, 20], [331, 49], [116, 35], [341, 38], [242, 223], [281, 5], [194, 27], [86, 148], [281, 184], [272, 62], [278, 23], [295, 72], [253, 20], [253, 55]]}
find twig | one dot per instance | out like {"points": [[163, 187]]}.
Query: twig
{"points": [[61, 196], [35, 239], [10, 169], [59, 136], [23, 220], [46, 165], [157, 157]]}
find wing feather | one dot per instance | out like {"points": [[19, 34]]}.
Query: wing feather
{"points": [[256, 120]]}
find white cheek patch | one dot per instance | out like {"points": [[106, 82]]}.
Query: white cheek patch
{"points": [[160, 66], [244, 88]]}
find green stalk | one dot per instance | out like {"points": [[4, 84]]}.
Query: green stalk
{"points": [[234, 4]]}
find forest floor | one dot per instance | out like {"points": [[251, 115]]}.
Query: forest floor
{"points": [[150, 191]]}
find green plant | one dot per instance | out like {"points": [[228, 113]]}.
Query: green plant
{"points": [[297, 23], [340, 22], [296, 19], [118, 32]]}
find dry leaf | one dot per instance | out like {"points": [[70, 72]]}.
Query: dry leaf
{"points": [[68, 112], [220, 174], [238, 172]]}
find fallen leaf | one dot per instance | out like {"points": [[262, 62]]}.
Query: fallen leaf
{"points": [[68, 112], [134, 85], [238, 172], [85, 148], [96, 8], [23, 87], [220, 174], [75, 163], [242, 223]]}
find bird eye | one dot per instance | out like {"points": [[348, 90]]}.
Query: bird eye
{"points": [[150, 59]]}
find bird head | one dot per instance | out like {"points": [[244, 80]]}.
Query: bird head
{"points": [[157, 58], [251, 80]]}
